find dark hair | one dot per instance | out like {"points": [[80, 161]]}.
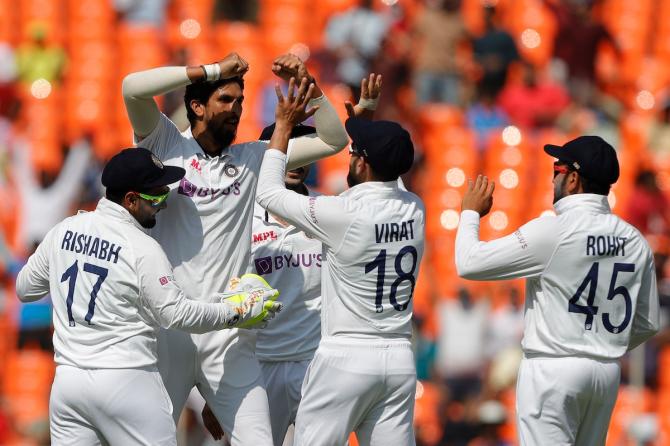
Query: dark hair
{"points": [[387, 176], [593, 187], [202, 91], [115, 195]]}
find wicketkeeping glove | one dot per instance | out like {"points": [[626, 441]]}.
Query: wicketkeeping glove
{"points": [[253, 300]]}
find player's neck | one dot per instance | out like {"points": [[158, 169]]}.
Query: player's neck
{"points": [[207, 142]]}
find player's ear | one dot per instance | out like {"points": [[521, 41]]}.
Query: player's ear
{"points": [[197, 107], [130, 200]]}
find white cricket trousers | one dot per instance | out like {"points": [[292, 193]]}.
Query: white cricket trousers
{"points": [[223, 366], [283, 382], [123, 407], [365, 386], [565, 401]]}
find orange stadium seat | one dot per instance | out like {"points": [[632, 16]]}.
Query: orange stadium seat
{"points": [[26, 384], [8, 22]]}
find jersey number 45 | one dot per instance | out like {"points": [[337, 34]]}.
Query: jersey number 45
{"points": [[590, 310]]}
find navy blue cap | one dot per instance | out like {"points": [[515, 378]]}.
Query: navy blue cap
{"points": [[138, 170], [385, 145], [591, 156], [296, 132]]}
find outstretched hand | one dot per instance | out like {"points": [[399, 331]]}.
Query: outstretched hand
{"points": [[479, 196], [292, 109], [371, 88]]}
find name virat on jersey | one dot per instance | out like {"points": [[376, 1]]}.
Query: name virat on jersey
{"points": [[90, 246], [394, 232]]}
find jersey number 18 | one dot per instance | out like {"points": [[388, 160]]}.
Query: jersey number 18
{"points": [[379, 264]]}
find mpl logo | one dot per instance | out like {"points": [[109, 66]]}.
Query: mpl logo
{"points": [[263, 265], [196, 165], [264, 237]]}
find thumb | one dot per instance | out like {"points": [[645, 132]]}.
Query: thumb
{"points": [[274, 307], [350, 109]]}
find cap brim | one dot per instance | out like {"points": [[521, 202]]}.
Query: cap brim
{"points": [[557, 152], [171, 174], [296, 132]]}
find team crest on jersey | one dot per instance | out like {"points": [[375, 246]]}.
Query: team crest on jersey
{"points": [[156, 161], [165, 280], [231, 170]]}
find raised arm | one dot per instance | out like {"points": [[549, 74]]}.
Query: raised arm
{"points": [[525, 253], [371, 89], [329, 129], [140, 88], [323, 217]]}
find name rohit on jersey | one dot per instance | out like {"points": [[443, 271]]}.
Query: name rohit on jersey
{"points": [[394, 232], [605, 245], [90, 246]]}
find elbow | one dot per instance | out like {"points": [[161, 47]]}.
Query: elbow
{"points": [[262, 198], [464, 270], [128, 86]]}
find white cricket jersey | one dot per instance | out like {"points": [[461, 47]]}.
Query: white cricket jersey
{"points": [[112, 287], [292, 262], [591, 285], [206, 228], [373, 237]]}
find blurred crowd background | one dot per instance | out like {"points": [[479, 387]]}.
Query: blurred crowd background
{"points": [[481, 84]]}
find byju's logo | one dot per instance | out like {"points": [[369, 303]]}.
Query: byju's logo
{"points": [[263, 265], [191, 190]]}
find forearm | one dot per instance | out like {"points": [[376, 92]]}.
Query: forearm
{"points": [[140, 88], [330, 131], [522, 254], [195, 317], [271, 184], [324, 218]]}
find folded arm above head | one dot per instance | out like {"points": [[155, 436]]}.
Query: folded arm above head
{"points": [[140, 88], [331, 136]]}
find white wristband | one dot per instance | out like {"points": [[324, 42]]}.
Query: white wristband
{"points": [[212, 72], [369, 104]]}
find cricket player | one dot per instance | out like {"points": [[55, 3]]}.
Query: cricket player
{"points": [[112, 287], [206, 231], [590, 294], [362, 377], [292, 261]]}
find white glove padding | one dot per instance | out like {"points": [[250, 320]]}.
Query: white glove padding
{"points": [[253, 301]]}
